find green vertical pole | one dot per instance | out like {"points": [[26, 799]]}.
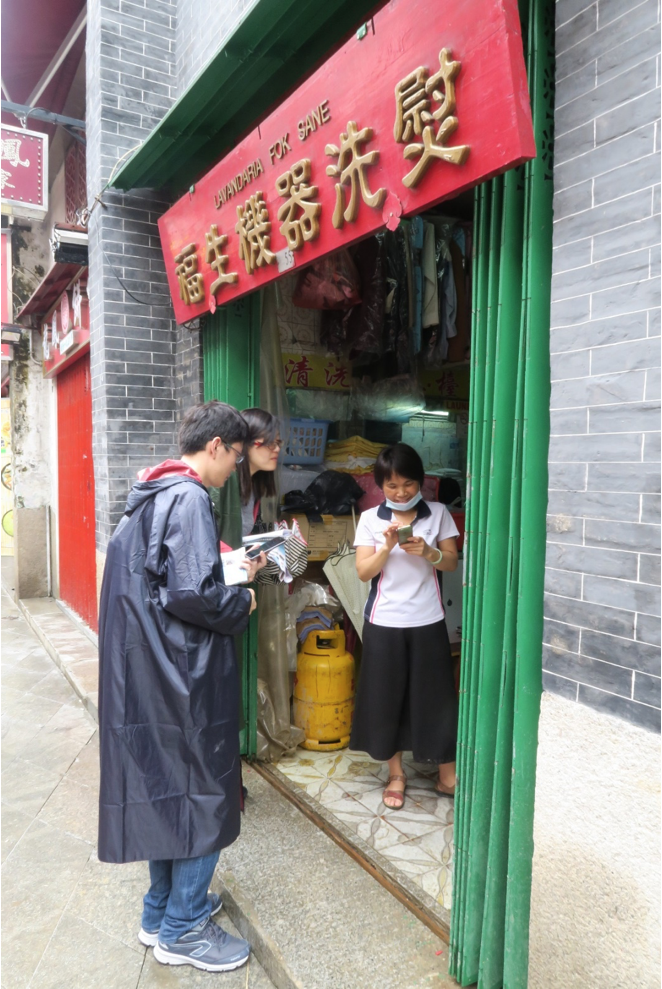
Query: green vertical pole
{"points": [[535, 452], [231, 367], [480, 727], [492, 825], [465, 747]]}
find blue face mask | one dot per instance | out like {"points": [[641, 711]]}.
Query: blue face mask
{"points": [[404, 506]]}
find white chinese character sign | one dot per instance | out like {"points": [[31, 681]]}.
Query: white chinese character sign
{"points": [[431, 100], [24, 169]]}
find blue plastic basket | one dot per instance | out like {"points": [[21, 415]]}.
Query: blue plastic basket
{"points": [[306, 441]]}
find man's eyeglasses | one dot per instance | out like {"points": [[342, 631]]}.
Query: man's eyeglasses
{"points": [[273, 446], [238, 457]]}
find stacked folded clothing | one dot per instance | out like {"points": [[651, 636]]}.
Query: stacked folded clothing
{"points": [[315, 618], [352, 456]]}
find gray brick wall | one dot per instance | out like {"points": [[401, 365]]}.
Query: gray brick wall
{"points": [[202, 26], [189, 382], [131, 82], [602, 629]]}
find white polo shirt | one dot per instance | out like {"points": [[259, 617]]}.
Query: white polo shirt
{"points": [[406, 593]]}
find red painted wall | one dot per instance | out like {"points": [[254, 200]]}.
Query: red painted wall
{"points": [[78, 580]]}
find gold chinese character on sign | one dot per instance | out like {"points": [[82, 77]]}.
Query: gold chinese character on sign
{"points": [[414, 116], [217, 260], [191, 289], [299, 216], [350, 169], [254, 229]]}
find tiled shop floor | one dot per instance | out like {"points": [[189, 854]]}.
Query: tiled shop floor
{"points": [[416, 840]]}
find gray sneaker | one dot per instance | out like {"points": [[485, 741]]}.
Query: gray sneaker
{"points": [[208, 947], [150, 938]]}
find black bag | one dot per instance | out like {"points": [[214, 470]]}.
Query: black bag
{"points": [[331, 493]]}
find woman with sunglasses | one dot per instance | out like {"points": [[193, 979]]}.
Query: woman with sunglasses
{"points": [[238, 503]]}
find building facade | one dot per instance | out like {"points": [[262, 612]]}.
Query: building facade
{"points": [[601, 648]]}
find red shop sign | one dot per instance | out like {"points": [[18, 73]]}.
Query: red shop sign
{"points": [[428, 101], [66, 332], [24, 168]]}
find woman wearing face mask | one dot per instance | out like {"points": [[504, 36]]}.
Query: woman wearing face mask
{"points": [[238, 503], [406, 696]]}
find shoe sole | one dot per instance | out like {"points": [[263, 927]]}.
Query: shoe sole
{"points": [[166, 959], [149, 940]]}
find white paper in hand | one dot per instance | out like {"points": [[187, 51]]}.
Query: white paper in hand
{"points": [[232, 572]]}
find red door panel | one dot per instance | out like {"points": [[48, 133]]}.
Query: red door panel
{"points": [[78, 579]]}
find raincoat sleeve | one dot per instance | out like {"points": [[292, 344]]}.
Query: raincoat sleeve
{"points": [[192, 590]]}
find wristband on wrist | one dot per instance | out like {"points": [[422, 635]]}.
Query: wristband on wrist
{"points": [[435, 563]]}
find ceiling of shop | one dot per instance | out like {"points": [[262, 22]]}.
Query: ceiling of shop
{"points": [[269, 52]]}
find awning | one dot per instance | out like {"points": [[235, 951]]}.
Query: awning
{"points": [[42, 45], [274, 46], [50, 289]]}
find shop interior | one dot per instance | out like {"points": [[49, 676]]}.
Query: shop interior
{"points": [[390, 362]]}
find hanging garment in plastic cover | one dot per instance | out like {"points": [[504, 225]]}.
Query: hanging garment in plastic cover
{"points": [[332, 282], [275, 735], [168, 683]]}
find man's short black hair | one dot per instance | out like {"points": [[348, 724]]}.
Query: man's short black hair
{"points": [[400, 459], [201, 423]]}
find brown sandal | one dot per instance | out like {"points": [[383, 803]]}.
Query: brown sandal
{"points": [[443, 790], [395, 794]]}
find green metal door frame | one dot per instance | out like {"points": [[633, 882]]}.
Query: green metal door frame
{"points": [[507, 483], [231, 368]]}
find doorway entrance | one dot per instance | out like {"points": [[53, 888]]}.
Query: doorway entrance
{"points": [[76, 518]]}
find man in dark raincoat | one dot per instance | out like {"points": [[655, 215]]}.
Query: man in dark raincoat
{"points": [[169, 693]]}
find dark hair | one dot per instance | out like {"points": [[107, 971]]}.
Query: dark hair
{"points": [[261, 426], [399, 459], [201, 423]]}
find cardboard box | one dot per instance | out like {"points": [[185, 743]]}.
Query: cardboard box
{"points": [[324, 537]]}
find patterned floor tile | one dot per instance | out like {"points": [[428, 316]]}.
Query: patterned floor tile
{"points": [[417, 840]]}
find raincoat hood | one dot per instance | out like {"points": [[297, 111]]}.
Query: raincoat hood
{"points": [[152, 480]]}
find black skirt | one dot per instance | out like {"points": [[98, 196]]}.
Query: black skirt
{"points": [[406, 699]]}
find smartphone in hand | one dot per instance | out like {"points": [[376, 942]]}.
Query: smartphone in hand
{"points": [[405, 532]]}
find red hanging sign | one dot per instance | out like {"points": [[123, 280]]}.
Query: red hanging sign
{"points": [[424, 102], [24, 168], [66, 331]]}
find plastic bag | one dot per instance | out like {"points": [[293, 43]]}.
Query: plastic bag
{"points": [[330, 283], [274, 741], [318, 403], [331, 493], [306, 594], [391, 400]]}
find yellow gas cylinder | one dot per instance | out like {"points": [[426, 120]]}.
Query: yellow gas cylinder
{"points": [[324, 691]]}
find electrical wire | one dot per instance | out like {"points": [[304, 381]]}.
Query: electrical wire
{"points": [[84, 214]]}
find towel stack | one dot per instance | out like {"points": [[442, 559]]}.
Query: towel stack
{"points": [[352, 456]]}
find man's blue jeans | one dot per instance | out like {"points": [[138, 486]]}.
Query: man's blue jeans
{"points": [[177, 900]]}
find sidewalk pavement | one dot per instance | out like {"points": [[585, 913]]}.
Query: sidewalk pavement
{"points": [[315, 918], [68, 920]]}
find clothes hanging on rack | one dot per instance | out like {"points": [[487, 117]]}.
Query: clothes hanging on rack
{"points": [[430, 315]]}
